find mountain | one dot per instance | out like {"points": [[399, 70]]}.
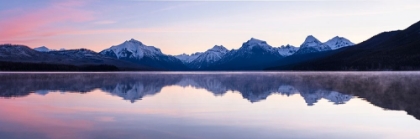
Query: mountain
{"points": [[132, 49], [185, 58], [253, 55], [46, 49], [84, 56], [20, 57], [312, 45], [394, 50], [209, 57], [257, 54], [78, 53], [137, 52], [338, 42], [287, 50], [9, 52], [42, 49], [310, 54]]}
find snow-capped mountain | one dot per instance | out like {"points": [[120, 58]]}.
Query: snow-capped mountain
{"points": [[212, 55], [132, 49], [287, 50], [137, 52], [251, 56], [311, 45], [338, 42], [186, 58], [209, 57], [42, 49], [257, 44]]}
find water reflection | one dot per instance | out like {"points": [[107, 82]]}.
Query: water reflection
{"points": [[394, 91]]}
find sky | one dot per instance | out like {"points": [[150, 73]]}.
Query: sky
{"points": [[194, 26]]}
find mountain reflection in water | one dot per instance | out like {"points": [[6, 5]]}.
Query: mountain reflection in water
{"points": [[393, 91]]}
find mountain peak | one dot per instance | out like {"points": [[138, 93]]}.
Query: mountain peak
{"points": [[338, 42], [42, 49], [210, 56], [132, 49], [311, 44], [213, 54], [132, 40], [337, 38], [218, 48], [311, 41], [311, 38], [254, 41]]}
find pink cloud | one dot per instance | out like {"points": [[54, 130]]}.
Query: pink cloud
{"points": [[41, 22]]}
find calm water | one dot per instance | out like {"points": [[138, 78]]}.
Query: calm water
{"points": [[210, 105]]}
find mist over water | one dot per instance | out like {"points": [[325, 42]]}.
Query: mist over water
{"points": [[210, 105]]}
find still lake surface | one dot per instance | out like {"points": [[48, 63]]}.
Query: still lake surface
{"points": [[209, 105]]}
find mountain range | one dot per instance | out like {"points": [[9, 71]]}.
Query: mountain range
{"points": [[394, 50], [134, 55]]}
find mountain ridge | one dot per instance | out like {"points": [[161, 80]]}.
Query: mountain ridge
{"points": [[392, 50], [254, 54], [136, 52]]}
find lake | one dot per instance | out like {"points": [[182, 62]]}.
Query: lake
{"points": [[210, 105]]}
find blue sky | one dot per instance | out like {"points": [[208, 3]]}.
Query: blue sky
{"points": [[190, 26]]}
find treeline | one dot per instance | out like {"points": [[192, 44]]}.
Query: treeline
{"points": [[24, 66]]}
